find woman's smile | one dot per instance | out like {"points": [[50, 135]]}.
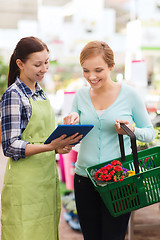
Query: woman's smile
{"points": [[94, 82], [41, 76]]}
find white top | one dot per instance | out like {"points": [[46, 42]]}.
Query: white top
{"points": [[100, 112]]}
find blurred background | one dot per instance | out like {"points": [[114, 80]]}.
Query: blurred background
{"points": [[130, 27]]}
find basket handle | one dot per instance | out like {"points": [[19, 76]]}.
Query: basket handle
{"points": [[133, 146]]}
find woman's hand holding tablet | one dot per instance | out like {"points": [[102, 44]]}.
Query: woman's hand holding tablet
{"points": [[69, 130]]}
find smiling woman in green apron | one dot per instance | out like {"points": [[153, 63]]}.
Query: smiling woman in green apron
{"points": [[30, 197]]}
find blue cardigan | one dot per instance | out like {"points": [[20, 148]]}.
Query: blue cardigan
{"points": [[102, 143]]}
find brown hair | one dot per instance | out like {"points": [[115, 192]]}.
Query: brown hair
{"points": [[95, 48], [24, 48]]}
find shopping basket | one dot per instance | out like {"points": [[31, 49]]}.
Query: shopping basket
{"points": [[137, 191]]}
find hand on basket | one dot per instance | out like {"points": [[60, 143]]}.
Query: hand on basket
{"points": [[120, 130]]}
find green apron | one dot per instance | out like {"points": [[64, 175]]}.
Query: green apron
{"points": [[30, 196]]}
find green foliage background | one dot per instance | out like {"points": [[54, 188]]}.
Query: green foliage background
{"points": [[3, 76]]}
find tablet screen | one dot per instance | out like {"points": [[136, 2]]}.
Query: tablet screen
{"points": [[69, 130]]}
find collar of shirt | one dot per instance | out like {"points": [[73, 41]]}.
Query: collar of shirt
{"points": [[26, 90]]}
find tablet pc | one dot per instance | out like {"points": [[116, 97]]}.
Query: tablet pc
{"points": [[69, 130]]}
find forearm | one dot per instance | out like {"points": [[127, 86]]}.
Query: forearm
{"points": [[15, 150], [61, 145], [144, 130], [32, 149], [146, 134]]}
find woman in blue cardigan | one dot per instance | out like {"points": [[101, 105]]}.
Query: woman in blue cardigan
{"points": [[105, 104]]}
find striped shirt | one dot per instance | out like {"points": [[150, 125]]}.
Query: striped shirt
{"points": [[16, 111]]}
